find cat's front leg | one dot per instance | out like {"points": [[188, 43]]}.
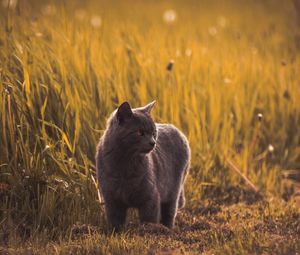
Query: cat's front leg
{"points": [[168, 213], [150, 210], [116, 214]]}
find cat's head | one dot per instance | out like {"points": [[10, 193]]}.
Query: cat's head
{"points": [[135, 130]]}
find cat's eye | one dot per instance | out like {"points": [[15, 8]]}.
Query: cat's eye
{"points": [[140, 132]]}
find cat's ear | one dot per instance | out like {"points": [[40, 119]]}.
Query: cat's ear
{"points": [[148, 107], [124, 112]]}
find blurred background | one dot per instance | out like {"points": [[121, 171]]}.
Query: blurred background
{"points": [[225, 72]]}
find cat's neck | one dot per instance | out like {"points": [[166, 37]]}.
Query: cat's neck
{"points": [[123, 161], [124, 158], [127, 158]]}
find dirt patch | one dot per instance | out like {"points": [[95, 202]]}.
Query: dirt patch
{"points": [[209, 209], [281, 226], [153, 229], [232, 195], [198, 226]]}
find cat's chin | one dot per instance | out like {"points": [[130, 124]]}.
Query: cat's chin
{"points": [[144, 152]]}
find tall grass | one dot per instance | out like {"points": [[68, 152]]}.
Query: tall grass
{"points": [[61, 76]]}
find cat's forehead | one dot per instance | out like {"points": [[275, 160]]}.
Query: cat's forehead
{"points": [[143, 119]]}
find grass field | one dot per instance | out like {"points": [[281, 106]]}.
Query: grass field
{"points": [[225, 72]]}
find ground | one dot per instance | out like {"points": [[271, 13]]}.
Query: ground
{"points": [[238, 222]]}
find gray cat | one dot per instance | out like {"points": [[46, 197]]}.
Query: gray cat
{"points": [[143, 165]]}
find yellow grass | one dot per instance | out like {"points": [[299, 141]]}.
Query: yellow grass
{"points": [[65, 66]]}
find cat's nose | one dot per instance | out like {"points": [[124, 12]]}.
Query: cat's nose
{"points": [[152, 143]]}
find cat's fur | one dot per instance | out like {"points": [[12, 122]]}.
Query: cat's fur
{"points": [[142, 165]]}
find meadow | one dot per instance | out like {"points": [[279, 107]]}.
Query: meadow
{"points": [[225, 72]]}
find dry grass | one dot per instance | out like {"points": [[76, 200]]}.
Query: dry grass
{"points": [[212, 68]]}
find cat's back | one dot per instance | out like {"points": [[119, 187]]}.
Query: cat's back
{"points": [[171, 141], [170, 159]]}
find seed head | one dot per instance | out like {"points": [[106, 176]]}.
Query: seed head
{"points": [[96, 21], [188, 52], [222, 21], [227, 81], [170, 65], [286, 94], [169, 16], [213, 31], [283, 62], [270, 148]]}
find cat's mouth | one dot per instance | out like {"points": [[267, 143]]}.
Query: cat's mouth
{"points": [[147, 150]]}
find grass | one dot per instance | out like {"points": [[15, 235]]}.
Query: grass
{"points": [[65, 66]]}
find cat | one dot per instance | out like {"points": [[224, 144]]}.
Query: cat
{"points": [[141, 164]]}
